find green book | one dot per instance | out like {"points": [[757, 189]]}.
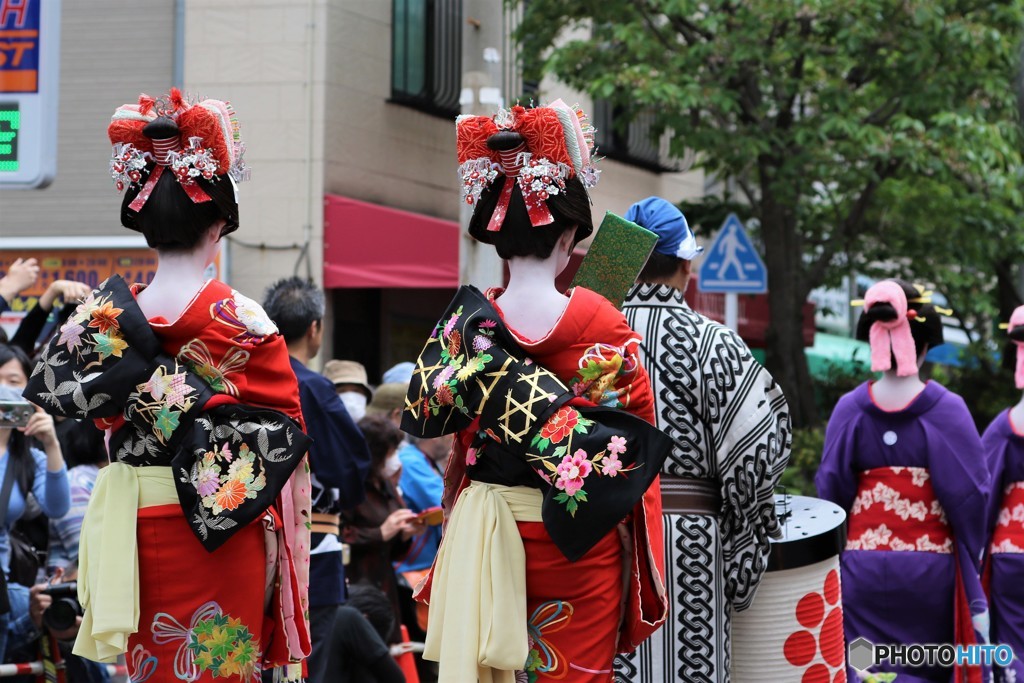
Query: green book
{"points": [[615, 258]]}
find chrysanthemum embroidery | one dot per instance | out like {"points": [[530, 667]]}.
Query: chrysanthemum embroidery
{"points": [[224, 480], [457, 365]]}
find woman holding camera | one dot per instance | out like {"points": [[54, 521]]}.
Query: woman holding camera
{"points": [[24, 469]]}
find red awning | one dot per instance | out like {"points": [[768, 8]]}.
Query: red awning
{"points": [[367, 245]]}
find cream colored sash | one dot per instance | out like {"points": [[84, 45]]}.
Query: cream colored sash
{"points": [[477, 623], [108, 573]]}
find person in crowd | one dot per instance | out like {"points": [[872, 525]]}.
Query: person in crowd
{"points": [[389, 401], [380, 528], [422, 485], [207, 487], [35, 321], [20, 276], [399, 373], [727, 420], [1003, 441], [25, 469], [339, 459], [359, 652], [903, 458], [349, 378], [542, 516], [83, 444]]}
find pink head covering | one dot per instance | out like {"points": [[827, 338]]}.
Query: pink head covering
{"points": [[1016, 320], [889, 338]]}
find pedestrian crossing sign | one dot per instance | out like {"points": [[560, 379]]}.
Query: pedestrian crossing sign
{"points": [[732, 264]]}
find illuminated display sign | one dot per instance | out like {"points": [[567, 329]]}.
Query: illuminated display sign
{"points": [[29, 85], [10, 123]]}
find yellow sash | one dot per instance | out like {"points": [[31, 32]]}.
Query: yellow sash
{"points": [[477, 623], [108, 571]]}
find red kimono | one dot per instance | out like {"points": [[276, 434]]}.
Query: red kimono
{"points": [[203, 615], [579, 614]]}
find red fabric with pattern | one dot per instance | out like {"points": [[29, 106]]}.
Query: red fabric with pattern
{"points": [[199, 122], [1008, 536], [544, 134], [471, 135], [896, 509], [168, 609]]}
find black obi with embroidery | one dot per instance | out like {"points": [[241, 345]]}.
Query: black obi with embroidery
{"points": [[229, 461], [592, 464]]}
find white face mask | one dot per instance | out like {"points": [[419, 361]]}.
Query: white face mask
{"points": [[392, 464], [355, 404]]}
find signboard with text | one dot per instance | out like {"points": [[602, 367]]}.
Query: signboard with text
{"points": [[91, 266], [29, 88]]}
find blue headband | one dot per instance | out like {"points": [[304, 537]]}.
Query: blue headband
{"points": [[666, 221]]}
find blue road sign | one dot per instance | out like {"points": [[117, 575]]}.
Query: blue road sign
{"points": [[732, 264]]}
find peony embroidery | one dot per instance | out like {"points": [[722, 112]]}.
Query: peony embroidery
{"points": [[560, 425], [571, 473]]}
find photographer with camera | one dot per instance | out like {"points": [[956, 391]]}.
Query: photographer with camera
{"points": [[24, 470]]}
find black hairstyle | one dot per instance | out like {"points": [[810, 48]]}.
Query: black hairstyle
{"points": [[374, 604], [9, 352], [1016, 333], [81, 442], [294, 304], [169, 219], [926, 326], [518, 237], [659, 267], [18, 446], [382, 437]]}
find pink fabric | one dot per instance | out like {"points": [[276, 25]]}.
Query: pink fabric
{"points": [[1016, 320], [892, 337]]}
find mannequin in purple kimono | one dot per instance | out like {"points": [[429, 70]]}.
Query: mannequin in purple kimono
{"points": [[903, 458], [1004, 449]]}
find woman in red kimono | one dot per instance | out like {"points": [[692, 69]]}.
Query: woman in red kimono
{"points": [[191, 379], [554, 443]]}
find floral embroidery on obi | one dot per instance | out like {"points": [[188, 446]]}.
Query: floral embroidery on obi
{"points": [[1008, 536], [459, 362], [94, 330], [602, 370], [156, 399], [577, 465]]}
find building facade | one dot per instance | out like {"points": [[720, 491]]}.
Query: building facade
{"points": [[347, 110]]}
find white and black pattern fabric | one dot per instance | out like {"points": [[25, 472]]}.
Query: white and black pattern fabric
{"points": [[729, 421]]}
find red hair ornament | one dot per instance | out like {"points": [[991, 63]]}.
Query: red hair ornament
{"points": [[557, 145], [149, 135]]}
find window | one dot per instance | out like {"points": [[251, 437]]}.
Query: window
{"points": [[631, 144], [426, 55]]}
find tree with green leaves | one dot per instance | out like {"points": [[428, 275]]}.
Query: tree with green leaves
{"points": [[852, 129]]}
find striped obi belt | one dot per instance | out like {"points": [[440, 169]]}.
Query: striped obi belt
{"points": [[1008, 536], [896, 509]]}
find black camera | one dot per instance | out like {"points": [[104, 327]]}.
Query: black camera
{"points": [[65, 608]]}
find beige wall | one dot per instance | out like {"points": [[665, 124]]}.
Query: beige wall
{"points": [[379, 152], [111, 50], [266, 57]]}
